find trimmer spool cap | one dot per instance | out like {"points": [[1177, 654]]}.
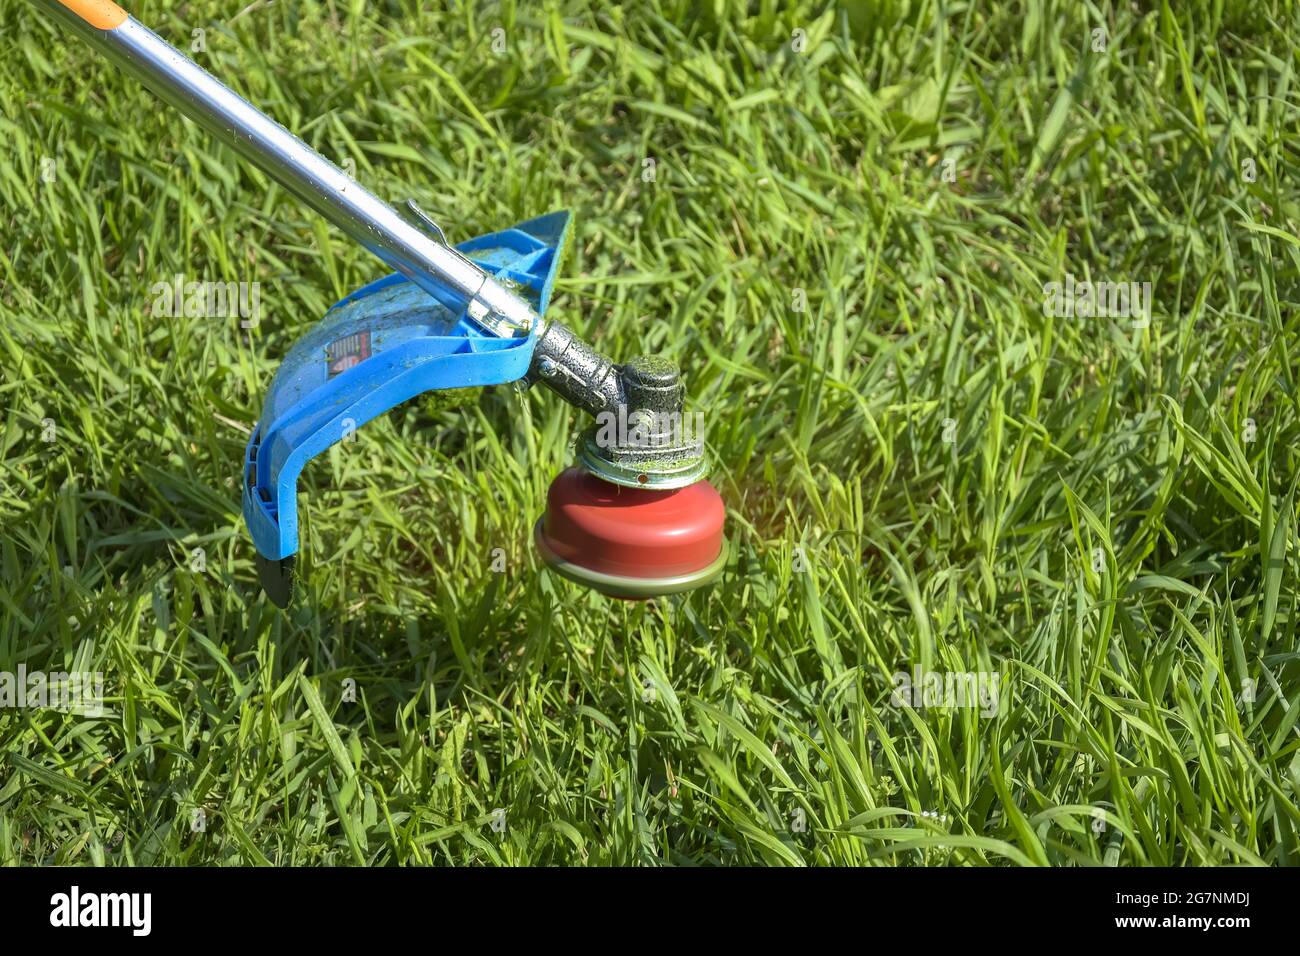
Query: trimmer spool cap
{"points": [[632, 543]]}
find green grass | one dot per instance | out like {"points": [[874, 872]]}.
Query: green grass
{"points": [[696, 730]]}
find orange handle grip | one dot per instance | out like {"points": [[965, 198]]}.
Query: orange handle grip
{"points": [[101, 14]]}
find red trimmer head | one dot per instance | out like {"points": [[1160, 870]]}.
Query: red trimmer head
{"points": [[632, 543], [635, 518]]}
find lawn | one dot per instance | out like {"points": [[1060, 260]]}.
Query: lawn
{"points": [[843, 222]]}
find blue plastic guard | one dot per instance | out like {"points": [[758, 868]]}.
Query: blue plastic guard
{"points": [[379, 347]]}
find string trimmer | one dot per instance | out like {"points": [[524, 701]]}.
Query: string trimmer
{"points": [[634, 518]]}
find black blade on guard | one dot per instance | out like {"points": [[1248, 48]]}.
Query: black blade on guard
{"points": [[278, 579]]}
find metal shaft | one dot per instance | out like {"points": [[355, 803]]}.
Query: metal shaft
{"points": [[183, 84]]}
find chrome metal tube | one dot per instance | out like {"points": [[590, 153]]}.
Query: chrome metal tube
{"points": [[183, 84]]}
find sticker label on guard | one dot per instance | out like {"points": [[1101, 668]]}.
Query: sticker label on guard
{"points": [[347, 352]]}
